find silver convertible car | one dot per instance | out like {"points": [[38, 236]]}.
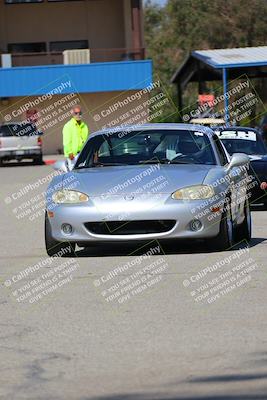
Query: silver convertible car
{"points": [[149, 182]]}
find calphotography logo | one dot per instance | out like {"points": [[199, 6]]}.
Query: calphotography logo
{"points": [[38, 281], [139, 275], [222, 279]]}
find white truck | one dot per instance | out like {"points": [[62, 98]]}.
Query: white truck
{"points": [[20, 141]]}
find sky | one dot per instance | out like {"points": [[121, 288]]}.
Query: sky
{"points": [[161, 2]]}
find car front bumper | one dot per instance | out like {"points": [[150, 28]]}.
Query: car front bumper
{"points": [[24, 153], [182, 213]]}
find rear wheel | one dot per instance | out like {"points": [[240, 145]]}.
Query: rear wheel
{"points": [[38, 160], [225, 239], [243, 231], [54, 247]]}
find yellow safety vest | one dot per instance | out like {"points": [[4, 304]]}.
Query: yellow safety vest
{"points": [[74, 137]]}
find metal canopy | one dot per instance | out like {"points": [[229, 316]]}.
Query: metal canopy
{"points": [[232, 58], [220, 64]]}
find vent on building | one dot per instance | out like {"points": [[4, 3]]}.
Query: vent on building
{"points": [[6, 60], [79, 56]]}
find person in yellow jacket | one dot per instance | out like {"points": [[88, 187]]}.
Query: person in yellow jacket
{"points": [[75, 134]]}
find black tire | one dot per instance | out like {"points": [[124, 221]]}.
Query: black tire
{"points": [[225, 239], [1, 162], [54, 247], [38, 160], [243, 231]]}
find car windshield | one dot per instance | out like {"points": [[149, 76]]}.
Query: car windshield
{"points": [[148, 146], [242, 142], [18, 130]]}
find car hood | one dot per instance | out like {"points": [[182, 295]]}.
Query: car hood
{"points": [[128, 179], [259, 165]]}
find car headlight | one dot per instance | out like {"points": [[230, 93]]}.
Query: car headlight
{"points": [[69, 197], [197, 192]]}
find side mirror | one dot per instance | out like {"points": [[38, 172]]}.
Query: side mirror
{"points": [[237, 160], [61, 166]]}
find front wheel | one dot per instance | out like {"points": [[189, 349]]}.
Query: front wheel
{"points": [[54, 247], [38, 160], [225, 239], [244, 230]]}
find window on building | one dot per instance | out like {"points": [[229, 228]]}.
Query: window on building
{"points": [[69, 45], [31, 1], [22, 1], [38, 47]]}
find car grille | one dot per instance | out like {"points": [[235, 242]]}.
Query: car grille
{"points": [[130, 227]]}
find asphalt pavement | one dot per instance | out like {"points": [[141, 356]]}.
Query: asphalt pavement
{"points": [[136, 322]]}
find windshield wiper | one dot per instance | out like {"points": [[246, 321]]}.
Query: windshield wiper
{"points": [[155, 161], [95, 165], [182, 162], [165, 161], [105, 164]]}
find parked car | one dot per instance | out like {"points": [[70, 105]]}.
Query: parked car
{"points": [[263, 128], [110, 196], [249, 141], [20, 141]]}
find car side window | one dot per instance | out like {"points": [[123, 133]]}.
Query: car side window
{"points": [[104, 149], [220, 150]]}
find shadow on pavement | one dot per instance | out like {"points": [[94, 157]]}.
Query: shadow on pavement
{"points": [[228, 378], [19, 164], [254, 242], [156, 396], [117, 249], [167, 248], [197, 381]]}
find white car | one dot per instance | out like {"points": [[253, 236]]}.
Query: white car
{"points": [[19, 141]]}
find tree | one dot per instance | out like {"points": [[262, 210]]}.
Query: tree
{"points": [[185, 25]]}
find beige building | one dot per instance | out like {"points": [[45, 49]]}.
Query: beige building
{"points": [[111, 29], [34, 38], [98, 112]]}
